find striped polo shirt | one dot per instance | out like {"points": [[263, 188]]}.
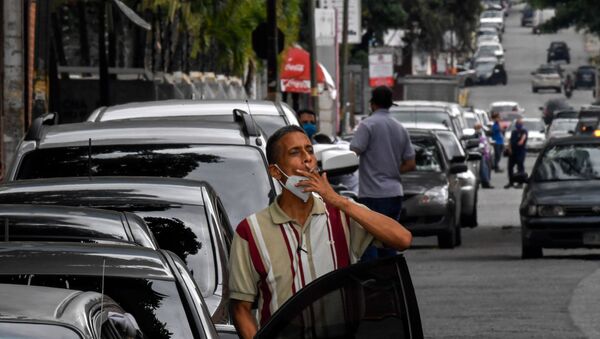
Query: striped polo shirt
{"points": [[272, 256]]}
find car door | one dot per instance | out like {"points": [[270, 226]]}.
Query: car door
{"points": [[375, 299]]}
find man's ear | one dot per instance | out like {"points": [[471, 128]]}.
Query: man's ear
{"points": [[275, 172]]}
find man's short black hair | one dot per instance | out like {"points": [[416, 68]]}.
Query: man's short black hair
{"points": [[306, 111], [273, 149], [382, 97]]}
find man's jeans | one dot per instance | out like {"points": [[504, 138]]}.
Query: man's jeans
{"points": [[386, 206], [498, 150]]}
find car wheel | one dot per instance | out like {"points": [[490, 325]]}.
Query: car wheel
{"points": [[457, 236], [468, 83], [530, 252], [447, 238], [534, 89], [557, 89], [470, 220]]}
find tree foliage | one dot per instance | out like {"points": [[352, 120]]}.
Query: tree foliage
{"points": [[581, 14]]}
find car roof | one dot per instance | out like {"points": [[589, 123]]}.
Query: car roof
{"points": [[49, 305], [425, 126], [487, 59], [504, 103], [164, 108], [574, 140], [490, 43], [98, 190], [57, 258], [172, 131]]}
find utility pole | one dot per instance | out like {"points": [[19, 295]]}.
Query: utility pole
{"points": [[13, 84], [272, 67], [343, 73], [314, 89]]}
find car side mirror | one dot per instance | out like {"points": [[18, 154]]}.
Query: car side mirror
{"points": [[338, 162], [473, 156], [458, 168], [571, 132], [532, 73], [471, 143], [542, 130]]}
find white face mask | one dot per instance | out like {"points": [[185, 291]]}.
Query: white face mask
{"points": [[290, 185]]}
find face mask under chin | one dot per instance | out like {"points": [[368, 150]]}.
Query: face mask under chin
{"points": [[290, 185]]}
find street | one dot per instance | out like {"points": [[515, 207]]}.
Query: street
{"points": [[483, 289]]}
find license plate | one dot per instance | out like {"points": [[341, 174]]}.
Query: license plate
{"points": [[591, 238]]}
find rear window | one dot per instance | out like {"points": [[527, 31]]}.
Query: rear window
{"points": [[156, 305], [269, 123], [25, 330], [237, 173]]}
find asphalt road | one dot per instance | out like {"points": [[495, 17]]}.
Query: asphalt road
{"points": [[483, 289]]}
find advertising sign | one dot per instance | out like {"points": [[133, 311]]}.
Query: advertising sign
{"points": [[354, 17], [381, 67]]}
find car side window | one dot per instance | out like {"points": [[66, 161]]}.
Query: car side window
{"points": [[373, 301]]}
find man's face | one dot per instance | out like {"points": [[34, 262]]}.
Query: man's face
{"points": [[306, 118], [295, 153]]}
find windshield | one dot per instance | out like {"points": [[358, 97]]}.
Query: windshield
{"points": [[269, 123], [451, 144], [491, 14], [155, 304], [488, 48], [509, 116], [237, 173], [422, 116], [484, 67], [569, 162], [547, 71], [533, 125], [28, 330], [563, 125], [427, 156], [471, 121]]}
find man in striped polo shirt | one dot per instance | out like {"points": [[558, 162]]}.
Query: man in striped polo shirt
{"points": [[308, 231]]}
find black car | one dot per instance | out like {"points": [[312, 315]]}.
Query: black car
{"points": [[153, 286], [431, 204], [31, 311], [585, 77], [558, 50], [527, 16], [369, 299], [489, 71], [560, 207], [185, 216], [551, 106], [227, 155], [25, 222]]}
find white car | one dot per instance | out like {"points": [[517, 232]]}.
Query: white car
{"points": [[536, 133], [490, 48], [492, 17], [488, 33], [506, 106], [546, 77]]}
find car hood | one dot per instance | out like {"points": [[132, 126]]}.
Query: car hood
{"points": [[417, 182], [567, 192]]}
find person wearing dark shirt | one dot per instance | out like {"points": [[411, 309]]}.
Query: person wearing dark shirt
{"points": [[516, 154]]}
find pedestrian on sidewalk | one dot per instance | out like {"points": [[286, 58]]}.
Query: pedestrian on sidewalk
{"points": [[516, 155], [486, 161], [386, 152], [498, 137]]}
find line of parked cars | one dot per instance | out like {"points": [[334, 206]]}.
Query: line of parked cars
{"points": [[128, 219]]}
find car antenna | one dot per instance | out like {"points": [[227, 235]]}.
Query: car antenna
{"points": [[102, 295], [90, 159], [258, 141]]}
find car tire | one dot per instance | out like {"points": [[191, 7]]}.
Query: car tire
{"points": [[468, 83], [470, 220], [529, 251], [447, 238], [457, 236], [558, 89], [534, 89]]}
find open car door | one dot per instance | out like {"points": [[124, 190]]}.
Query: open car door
{"points": [[370, 300]]}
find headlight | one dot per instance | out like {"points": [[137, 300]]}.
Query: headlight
{"points": [[532, 210], [435, 195], [551, 211]]}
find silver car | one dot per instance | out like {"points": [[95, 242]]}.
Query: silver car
{"points": [[546, 77]]}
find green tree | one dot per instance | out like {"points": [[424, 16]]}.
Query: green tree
{"points": [[581, 14]]}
